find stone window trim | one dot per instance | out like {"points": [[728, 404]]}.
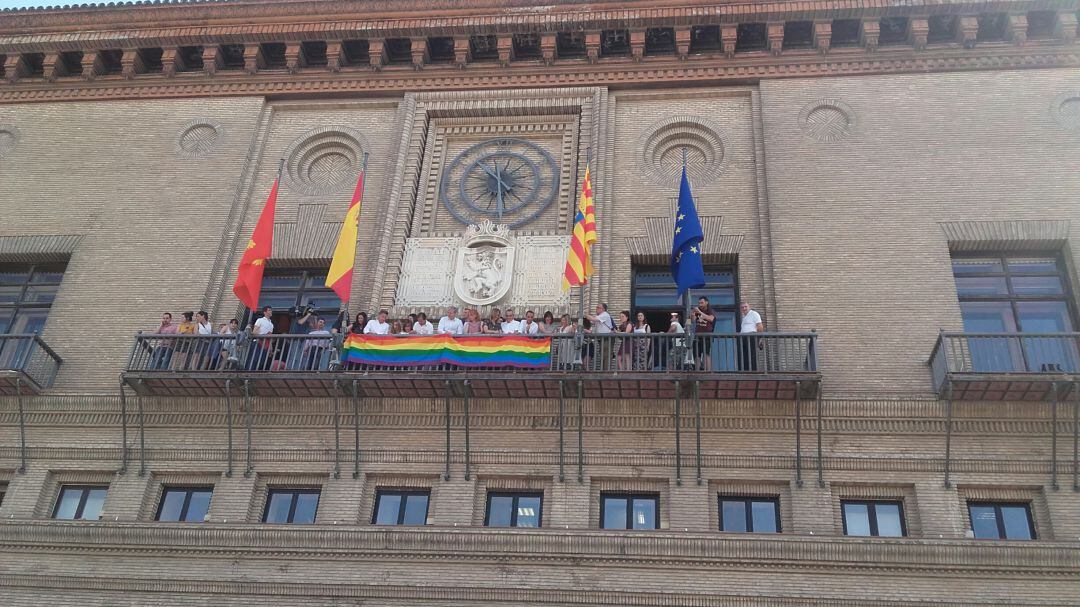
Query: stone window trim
{"points": [[158, 481], [54, 479], [902, 493], [502, 484], [43, 248], [1005, 236], [661, 487], [767, 489], [266, 481], [1033, 496], [376, 482]]}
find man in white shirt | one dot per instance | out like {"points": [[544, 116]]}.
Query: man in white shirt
{"points": [[510, 326], [314, 348], [264, 326], [601, 322], [422, 326], [261, 357], [378, 326], [451, 323], [748, 346], [529, 326]]}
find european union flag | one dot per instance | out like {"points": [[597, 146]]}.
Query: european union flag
{"points": [[686, 266]]}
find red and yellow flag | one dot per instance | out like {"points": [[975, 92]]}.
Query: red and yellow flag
{"points": [[341, 266], [579, 261], [249, 276]]}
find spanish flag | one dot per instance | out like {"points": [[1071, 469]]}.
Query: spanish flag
{"points": [[579, 261], [249, 276], [339, 278]]}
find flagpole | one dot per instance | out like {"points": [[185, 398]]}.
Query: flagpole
{"points": [[579, 332], [581, 290], [690, 326], [363, 188]]}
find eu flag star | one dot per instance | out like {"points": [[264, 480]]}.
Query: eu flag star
{"points": [[677, 230], [681, 217], [693, 249]]}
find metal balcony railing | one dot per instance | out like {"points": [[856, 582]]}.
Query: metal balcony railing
{"points": [[766, 353], [28, 355], [1005, 354]]}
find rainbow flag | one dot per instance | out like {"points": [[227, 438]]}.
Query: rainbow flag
{"points": [[516, 351]]}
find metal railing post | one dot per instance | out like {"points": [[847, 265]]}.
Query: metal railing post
{"points": [[1076, 436], [22, 425], [820, 457], [248, 415], [697, 427], [562, 445], [337, 432], [142, 436], [948, 430], [356, 429], [1053, 437], [798, 435], [465, 403], [580, 433], [123, 428], [228, 429], [446, 474], [678, 437]]}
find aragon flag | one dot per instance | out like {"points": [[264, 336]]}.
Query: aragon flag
{"points": [[339, 278], [249, 277]]}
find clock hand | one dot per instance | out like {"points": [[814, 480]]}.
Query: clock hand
{"points": [[498, 177]]}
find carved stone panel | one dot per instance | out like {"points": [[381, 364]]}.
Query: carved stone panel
{"points": [[426, 272]]}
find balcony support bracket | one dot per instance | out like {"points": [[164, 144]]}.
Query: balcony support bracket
{"points": [[22, 423], [1053, 437], [820, 459], [337, 430], [247, 421], [142, 436], [123, 428], [356, 429], [446, 473], [798, 435], [678, 433], [562, 443], [580, 433], [228, 429], [697, 428], [1076, 436], [466, 392], [948, 430]]}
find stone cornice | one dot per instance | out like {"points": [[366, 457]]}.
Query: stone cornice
{"points": [[614, 73], [577, 547]]}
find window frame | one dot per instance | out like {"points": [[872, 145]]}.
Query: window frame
{"points": [[747, 503], [1012, 297], [188, 491], [84, 490], [299, 293], [629, 498], [871, 514], [404, 494], [296, 492], [516, 495], [32, 269], [636, 284], [1000, 520]]}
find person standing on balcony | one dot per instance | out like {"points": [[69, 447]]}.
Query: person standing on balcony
{"points": [[565, 345], [314, 348], [529, 326], [185, 346], [228, 345], [547, 326], [510, 326], [203, 329], [378, 326], [677, 349], [748, 343], [451, 324], [493, 325], [259, 358], [422, 326], [625, 356], [473, 324], [641, 344], [602, 325], [357, 328], [161, 357], [704, 322]]}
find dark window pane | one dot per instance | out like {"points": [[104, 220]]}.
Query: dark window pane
{"points": [[198, 506], [92, 509], [1044, 317], [981, 285], [1033, 265], [68, 503], [41, 294], [306, 504], [278, 511], [10, 294], [764, 517], [857, 519], [416, 510], [888, 520], [614, 513], [984, 522], [501, 511], [172, 503], [1037, 285], [644, 513], [976, 266], [44, 276], [13, 277], [1017, 526], [528, 512], [987, 317], [291, 281], [389, 506], [734, 513]]}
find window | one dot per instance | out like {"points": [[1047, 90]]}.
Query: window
{"points": [[79, 503], [286, 290], [750, 514], [184, 504], [3, 492], [873, 519], [27, 292], [401, 508], [1016, 294], [1001, 521], [513, 509], [629, 511], [291, 506]]}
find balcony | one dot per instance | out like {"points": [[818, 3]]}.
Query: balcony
{"points": [[1006, 366], [27, 364], [650, 366]]}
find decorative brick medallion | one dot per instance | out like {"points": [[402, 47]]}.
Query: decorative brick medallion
{"points": [[197, 138], [1066, 110], [324, 160], [664, 143], [9, 138], [827, 120]]}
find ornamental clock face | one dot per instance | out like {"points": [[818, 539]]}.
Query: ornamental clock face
{"points": [[507, 181]]}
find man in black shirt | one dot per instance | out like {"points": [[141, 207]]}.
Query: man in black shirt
{"points": [[704, 321]]}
